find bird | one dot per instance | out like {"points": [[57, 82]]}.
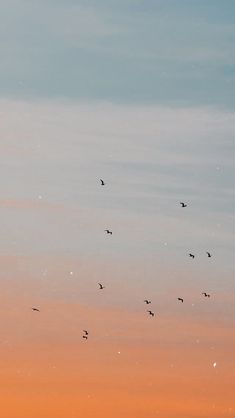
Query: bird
{"points": [[147, 301], [35, 309], [101, 286], [191, 255], [85, 337], [150, 313], [206, 295], [208, 254], [181, 300], [102, 182], [183, 205], [85, 331], [108, 231]]}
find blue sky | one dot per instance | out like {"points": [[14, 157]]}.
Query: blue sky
{"points": [[168, 52], [138, 93]]}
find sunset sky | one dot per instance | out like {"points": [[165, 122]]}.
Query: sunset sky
{"points": [[140, 94]]}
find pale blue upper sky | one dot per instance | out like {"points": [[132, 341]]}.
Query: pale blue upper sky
{"points": [[159, 51], [149, 107]]}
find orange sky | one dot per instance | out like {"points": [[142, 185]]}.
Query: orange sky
{"points": [[54, 252], [132, 366]]}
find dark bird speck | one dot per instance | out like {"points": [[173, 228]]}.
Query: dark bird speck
{"points": [[147, 301]]}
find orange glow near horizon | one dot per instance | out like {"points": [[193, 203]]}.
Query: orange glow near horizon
{"points": [[131, 366], [54, 252]]}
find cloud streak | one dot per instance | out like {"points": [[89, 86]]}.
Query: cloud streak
{"points": [[130, 53]]}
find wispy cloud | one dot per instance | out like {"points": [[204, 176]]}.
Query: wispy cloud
{"points": [[151, 157], [128, 52]]}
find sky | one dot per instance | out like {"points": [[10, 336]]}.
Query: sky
{"points": [[131, 51], [139, 94]]}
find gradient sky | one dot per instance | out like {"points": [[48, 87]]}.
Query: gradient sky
{"points": [[141, 94]]}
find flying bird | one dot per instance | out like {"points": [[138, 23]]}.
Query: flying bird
{"points": [[183, 205], [191, 255], [101, 286], [85, 331], [181, 300], [102, 182], [108, 231], [147, 301], [150, 313], [208, 254], [85, 337], [206, 295], [35, 309]]}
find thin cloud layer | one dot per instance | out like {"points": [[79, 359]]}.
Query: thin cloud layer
{"points": [[140, 94], [121, 51], [152, 157]]}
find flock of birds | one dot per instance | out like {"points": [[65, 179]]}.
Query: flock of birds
{"points": [[146, 301]]}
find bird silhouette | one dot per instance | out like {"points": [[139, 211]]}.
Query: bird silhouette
{"points": [[85, 331], [108, 231], [150, 313], [191, 255], [85, 337], [102, 182], [101, 286], [147, 301], [208, 254], [183, 205], [206, 295], [181, 300], [35, 309]]}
